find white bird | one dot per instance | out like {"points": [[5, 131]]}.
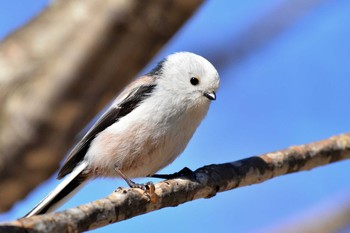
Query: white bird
{"points": [[148, 125]]}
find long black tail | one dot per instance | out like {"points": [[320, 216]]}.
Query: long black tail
{"points": [[66, 189]]}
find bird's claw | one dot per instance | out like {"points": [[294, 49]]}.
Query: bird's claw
{"points": [[149, 186], [183, 173]]}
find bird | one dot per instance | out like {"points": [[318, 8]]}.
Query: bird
{"points": [[146, 127]]}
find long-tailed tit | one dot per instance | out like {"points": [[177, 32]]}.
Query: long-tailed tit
{"points": [[148, 125]]}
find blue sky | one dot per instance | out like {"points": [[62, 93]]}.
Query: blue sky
{"points": [[291, 90]]}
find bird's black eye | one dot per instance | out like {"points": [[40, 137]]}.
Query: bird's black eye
{"points": [[194, 81]]}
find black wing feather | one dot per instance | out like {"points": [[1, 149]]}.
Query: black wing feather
{"points": [[112, 115]]}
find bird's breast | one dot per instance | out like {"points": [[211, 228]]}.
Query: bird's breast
{"points": [[141, 144]]}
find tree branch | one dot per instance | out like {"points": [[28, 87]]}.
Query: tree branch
{"points": [[59, 70], [126, 203]]}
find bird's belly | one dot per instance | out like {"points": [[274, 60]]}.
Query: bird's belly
{"points": [[141, 154], [141, 145]]}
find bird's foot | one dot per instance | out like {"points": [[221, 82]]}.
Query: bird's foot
{"points": [[183, 173], [147, 187]]}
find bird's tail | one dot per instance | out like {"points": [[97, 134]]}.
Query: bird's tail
{"points": [[66, 189]]}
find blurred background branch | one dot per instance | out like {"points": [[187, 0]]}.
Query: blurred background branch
{"points": [[206, 182], [330, 217], [59, 70]]}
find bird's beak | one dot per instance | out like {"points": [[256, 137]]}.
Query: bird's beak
{"points": [[210, 95]]}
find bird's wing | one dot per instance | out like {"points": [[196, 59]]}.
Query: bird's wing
{"points": [[125, 103]]}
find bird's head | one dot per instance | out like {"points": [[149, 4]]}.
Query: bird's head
{"points": [[188, 76]]}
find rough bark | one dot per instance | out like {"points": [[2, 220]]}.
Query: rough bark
{"points": [[59, 70], [205, 182]]}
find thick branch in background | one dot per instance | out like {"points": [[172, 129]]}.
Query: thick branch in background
{"points": [[332, 217], [205, 183], [62, 68]]}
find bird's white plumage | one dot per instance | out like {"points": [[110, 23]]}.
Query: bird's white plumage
{"points": [[157, 131], [156, 116]]}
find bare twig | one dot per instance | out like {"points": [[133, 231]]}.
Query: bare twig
{"points": [[62, 68], [205, 183]]}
